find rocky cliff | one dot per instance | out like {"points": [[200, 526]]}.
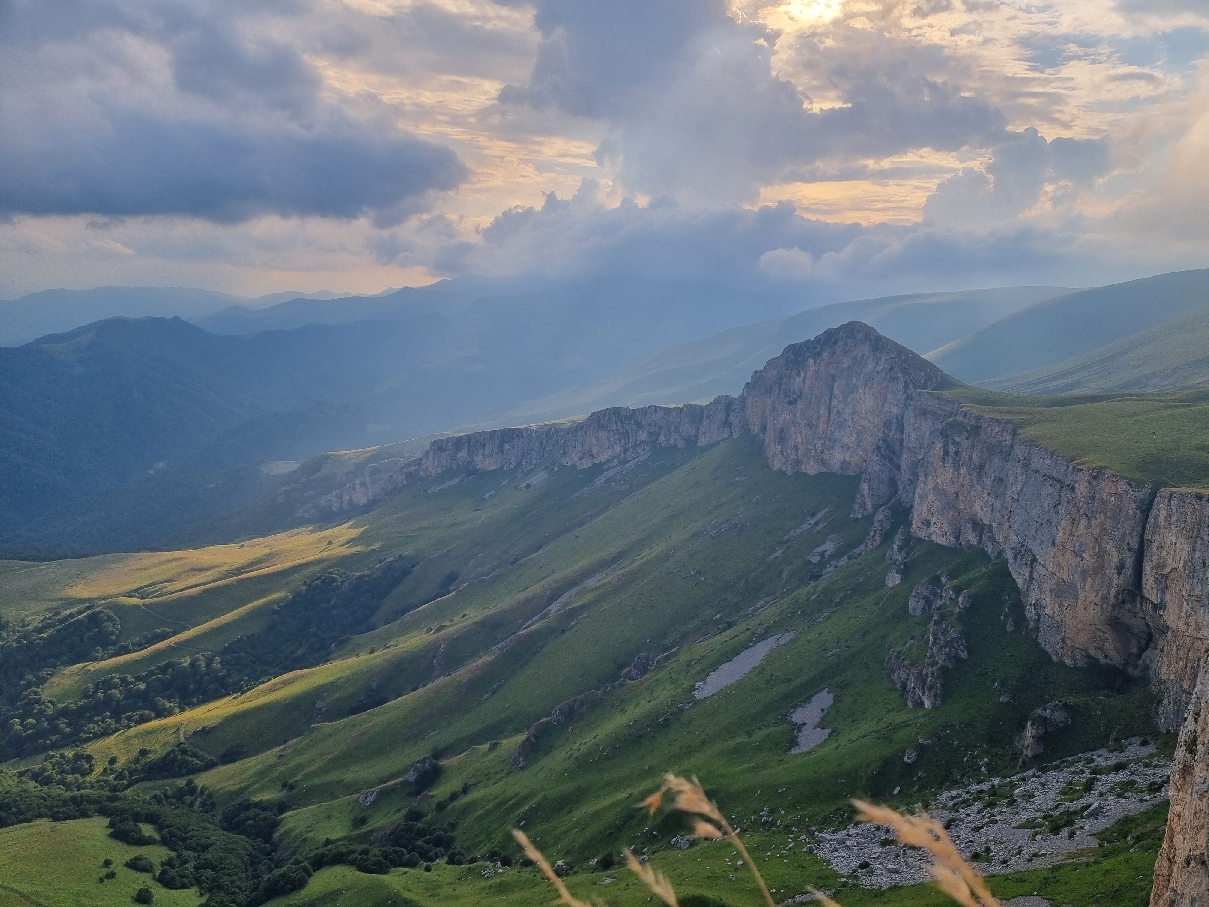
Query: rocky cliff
{"points": [[1181, 875], [1110, 571]]}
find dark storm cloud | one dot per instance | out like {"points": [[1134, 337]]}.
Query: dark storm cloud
{"points": [[144, 165], [195, 109]]}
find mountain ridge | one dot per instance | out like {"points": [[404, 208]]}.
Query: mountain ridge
{"points": [[1107, 566]]}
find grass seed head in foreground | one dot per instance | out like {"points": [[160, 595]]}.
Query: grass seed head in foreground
{"points": [[954, 876]]}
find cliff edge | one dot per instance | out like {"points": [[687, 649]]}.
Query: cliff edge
{"points": [[1110, 570]]}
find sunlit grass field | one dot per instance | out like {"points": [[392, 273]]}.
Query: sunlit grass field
{"points": [[59, 864]]}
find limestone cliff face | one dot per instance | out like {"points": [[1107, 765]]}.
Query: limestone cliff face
{"points": [[1181, 874], [609, 436], [1175, 586], [838, 403], [1072, 536]]}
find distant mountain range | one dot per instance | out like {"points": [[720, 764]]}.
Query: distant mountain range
{"points": [[101, 425], [54, 311], [1070, 326]]}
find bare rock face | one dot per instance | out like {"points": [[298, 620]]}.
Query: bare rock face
{"points": [[1181, 874], [1175, 587], [933, 593], [1040, 724], [922, 684], [1072, 536], [946, 642], [838, 404], [900, 548]]}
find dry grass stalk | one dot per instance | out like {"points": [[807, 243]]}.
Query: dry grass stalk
{"points": [[656, 881], [690, 798], [539, 858], [954, 876]]}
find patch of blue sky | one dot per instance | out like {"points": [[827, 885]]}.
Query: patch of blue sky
{"points": [[1175, 51], [1046, 53]]}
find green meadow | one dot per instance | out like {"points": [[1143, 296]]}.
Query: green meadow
{"points": [[525, 598]]}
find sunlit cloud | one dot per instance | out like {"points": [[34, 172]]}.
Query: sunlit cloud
{"points": [[883, 115]]}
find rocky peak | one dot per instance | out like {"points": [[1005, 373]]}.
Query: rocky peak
{"points": [[837, 403]]}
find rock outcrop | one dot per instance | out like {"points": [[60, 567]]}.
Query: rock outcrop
{"points": [[1041, 723], [919, 684], [933, 593], [1181, 875], [922, 684]]}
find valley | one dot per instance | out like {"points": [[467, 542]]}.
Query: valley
{"points": [[531, 625]]}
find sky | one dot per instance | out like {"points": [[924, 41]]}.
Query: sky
{"points": [[843, 147]]}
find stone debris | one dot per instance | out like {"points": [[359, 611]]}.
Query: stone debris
{"points": [[1026, 821], [806, 717], [739, 666], [565, 599], [808, 525]]}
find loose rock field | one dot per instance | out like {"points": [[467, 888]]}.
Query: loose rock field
{"points": [[1011, 824]]}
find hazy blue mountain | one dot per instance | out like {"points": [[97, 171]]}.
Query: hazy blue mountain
{"points": [[1071, 325], [674, 310], [1173, 355], [54, 311], [99, 423], [720, 364], [99, 420], [94, 407]]}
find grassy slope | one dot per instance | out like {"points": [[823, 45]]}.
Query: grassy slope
{"points": [[1157, 438], [1171, 355], [691, 547], [73, 853], [690, 540], [1072, 325], [162, 580]]}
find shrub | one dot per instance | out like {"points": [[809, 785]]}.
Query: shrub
{"points": [[140, 863], [144, 896]]}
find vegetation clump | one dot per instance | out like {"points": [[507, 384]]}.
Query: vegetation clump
{"points": [[300, 633]]}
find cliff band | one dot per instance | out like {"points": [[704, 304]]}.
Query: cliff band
{"points": [[1110, 570]]}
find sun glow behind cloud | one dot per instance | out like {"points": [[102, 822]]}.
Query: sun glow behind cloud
{"points": [[909, 113]]}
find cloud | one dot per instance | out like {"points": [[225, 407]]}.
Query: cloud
{"points": [[786, 264], [1023, 172], [174, 108], [695, 110], [775, 244]]}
